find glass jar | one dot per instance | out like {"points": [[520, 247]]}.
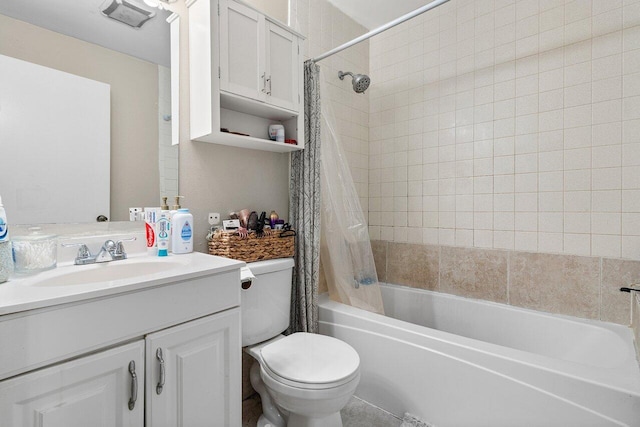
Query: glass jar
{"points": [[6, 261], [34, 252]]}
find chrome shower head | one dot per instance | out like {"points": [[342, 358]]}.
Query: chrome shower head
{"points": [[360, 81]]}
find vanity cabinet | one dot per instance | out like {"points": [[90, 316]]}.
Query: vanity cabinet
{"points": [[188, 382], [73, 364], [245, 74], [90, 391]]}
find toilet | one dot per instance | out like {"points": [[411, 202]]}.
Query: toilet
{"points": [[303, 379]]}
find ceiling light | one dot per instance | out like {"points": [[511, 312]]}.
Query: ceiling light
{"points": [[126, 12]]}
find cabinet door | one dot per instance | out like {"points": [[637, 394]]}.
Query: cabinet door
{"points": [[90, 391], [241, 54], [193, 376], [282, 67]]}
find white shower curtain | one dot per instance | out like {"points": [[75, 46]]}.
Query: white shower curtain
{"points": [[345, 249]]}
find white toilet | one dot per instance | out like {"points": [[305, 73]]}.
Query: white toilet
{"points": [[304, 379]]}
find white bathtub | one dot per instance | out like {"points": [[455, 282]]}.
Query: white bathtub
{"points": [[460, 362]]}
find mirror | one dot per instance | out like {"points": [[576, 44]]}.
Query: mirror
{"points": [[77, 38]]}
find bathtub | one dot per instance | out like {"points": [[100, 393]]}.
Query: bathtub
{"points": [[460, 362]]}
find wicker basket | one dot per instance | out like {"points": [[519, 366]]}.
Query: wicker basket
{"points": [[229, 245]]}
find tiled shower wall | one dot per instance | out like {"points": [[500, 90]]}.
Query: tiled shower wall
{"points": [[573, 285], [168, 152], [509, 124]]}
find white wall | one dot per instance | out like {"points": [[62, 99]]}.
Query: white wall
{"points": [[509, 124]]}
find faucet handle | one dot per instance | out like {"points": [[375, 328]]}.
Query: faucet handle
{"points": [[109, 246], [83, 251], [119, 250]]}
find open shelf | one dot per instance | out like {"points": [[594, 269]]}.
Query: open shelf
{"points": [[250, 142], [252, 107]]}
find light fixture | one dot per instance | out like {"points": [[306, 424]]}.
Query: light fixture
{"points": [[126, 12], [160, 4]]}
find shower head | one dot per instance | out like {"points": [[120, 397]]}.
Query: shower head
{"points": [[360, 81]]}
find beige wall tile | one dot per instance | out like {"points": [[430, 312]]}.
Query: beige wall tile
{"points": [[616, 305], [522, 96], [413, 265], [555, 283], [379, 249], [475, 273]]}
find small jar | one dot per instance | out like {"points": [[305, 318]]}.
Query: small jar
{"points": [[6, 261], [34, 252]]}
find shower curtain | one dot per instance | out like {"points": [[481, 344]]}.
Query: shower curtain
{"points": [[345, 248], [343, 239], [304, 210]]}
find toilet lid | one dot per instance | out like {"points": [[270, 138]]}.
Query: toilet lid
{"points": [[311, 358]]}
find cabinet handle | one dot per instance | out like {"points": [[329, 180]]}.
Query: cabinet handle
{"points": [[134, 385], [264, 82], [161, 379], [269, 80]]}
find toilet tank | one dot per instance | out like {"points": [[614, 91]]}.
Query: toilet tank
{"points": [[266, 303]]}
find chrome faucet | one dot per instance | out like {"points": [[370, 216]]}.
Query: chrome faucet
{"points": [[110, 251]]}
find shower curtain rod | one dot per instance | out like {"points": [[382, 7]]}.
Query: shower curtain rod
{"points": [[380, 29]]}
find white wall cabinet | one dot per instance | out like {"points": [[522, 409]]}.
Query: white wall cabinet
{"points": [[241, 54], [282, 60], [69, 365], [245, 74]]}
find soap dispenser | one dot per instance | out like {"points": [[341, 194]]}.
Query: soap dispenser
{"points": [[172, 212], [175, 207]]}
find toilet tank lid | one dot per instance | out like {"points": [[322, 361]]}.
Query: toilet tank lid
{"points": [[270, 266]]}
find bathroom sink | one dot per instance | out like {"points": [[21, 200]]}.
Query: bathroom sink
{"points": [[105, 272]]}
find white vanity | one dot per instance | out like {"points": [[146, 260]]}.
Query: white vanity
{"points": [[143, 341]]}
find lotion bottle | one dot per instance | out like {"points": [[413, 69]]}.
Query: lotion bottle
{"points": [[182, 232]]}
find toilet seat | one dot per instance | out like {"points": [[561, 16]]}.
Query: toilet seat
{"points": [[310, 361]]}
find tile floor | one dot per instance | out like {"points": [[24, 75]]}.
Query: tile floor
{"points": [[357, 413]]}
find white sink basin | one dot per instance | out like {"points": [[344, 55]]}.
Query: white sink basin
{"points": [[106, 272]]}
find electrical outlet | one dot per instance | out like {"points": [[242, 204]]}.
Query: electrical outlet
{"points": [[214, 218]]}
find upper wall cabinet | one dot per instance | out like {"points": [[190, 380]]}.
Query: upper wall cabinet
{"points": [[245, 74]]}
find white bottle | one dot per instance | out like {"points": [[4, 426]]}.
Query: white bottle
{"points": [[4, 228], [182, 232]]}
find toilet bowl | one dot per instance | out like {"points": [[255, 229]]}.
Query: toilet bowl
{"points": [[304, 379]]}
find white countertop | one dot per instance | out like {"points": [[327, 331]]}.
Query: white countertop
{"points": [[22, 293]]}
